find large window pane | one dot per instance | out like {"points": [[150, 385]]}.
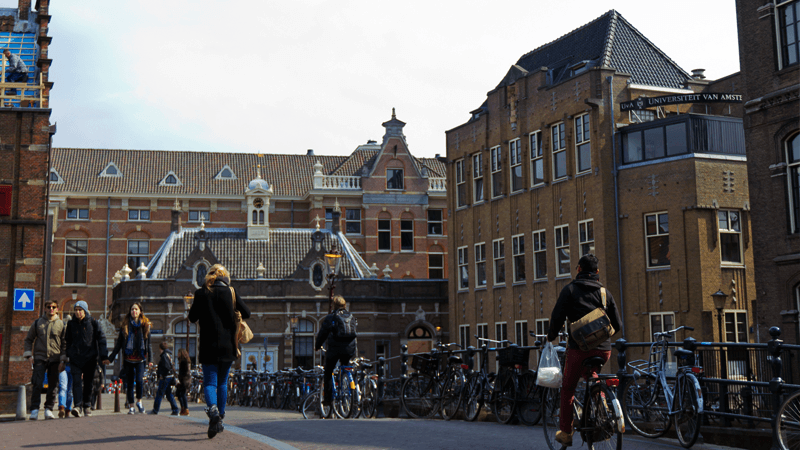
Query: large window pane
{"points": [[676, 139], [654, 143], [633, 147]]}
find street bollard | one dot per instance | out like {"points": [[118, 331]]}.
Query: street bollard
{"points": [[776, 383], [404, 361], [381, 383], [116, 397], [99, 405], [22, 405]]}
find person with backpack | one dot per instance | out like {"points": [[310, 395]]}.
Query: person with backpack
{"points": [[577, 300], [46, 345], [338, 330], [165, 380], [86, 348]]}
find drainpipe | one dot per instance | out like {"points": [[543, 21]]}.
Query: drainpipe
{"points": [[108, 242], [610, 80]]}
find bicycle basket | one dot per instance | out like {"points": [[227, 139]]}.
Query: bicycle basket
{"points": [[424, 363], [511, 356], [644, 367]]}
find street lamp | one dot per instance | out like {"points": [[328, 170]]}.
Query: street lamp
{"points": [[187, 304], [333, 259], [719, 298], [293, 322]]}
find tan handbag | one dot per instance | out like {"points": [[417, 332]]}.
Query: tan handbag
{"points": [[594, 328], [243, 332]]}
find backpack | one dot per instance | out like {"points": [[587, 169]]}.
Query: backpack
{"points": [[345, 325]]}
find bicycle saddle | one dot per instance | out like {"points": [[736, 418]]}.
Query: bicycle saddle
{"points": [[684, 354], [594, 361], [454, 360]]}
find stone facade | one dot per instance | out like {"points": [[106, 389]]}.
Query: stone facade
{"points": [[772, 121]]}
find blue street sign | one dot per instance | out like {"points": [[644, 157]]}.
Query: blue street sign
{"points": [[24, 299]]}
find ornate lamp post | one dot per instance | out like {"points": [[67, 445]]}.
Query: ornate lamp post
{"points": [[333, 259], [293, 322], [719, 298], [187, 304]]}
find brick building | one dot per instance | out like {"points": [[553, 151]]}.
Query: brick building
{"points": [[114, 207], [551, 167], [25, 133], [769, 39]]}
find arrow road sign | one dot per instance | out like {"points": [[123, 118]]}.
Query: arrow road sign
{"points": [[23, 299]]}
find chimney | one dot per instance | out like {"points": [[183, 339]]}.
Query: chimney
{"points": [[310, 152], [24, 9], [698, 74], [176, 226]]}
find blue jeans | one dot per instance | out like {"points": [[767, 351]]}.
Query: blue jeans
{"points": [[133, 371], [164, 386], [215, 385], [65, 388]]}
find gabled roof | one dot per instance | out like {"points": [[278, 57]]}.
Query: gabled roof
{"points": [[280, 255], [608, 41]]}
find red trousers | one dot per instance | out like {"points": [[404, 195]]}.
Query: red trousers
{"points": [[573, 371]]}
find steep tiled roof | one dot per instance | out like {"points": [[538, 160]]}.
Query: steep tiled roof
{"points": [[280, 255], [608, 41], [143, 170]]}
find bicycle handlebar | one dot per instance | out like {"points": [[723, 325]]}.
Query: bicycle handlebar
{"points": [[671, 332]]}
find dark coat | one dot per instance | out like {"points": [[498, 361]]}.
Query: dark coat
{"points": [[122, 341], [184, 377], [86, 341], [165, 365], [579, 298], [214, 309], [327, 333]]}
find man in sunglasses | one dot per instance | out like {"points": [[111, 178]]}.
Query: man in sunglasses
{"points": [[47, 345]]}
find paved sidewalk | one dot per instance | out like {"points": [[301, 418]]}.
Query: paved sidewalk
{"points": [[106, 429]]}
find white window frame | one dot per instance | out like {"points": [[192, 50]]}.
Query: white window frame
{"points": [[663, 328], [139, 243], [348, 221], [77, 255], [542, 327], [202, 216], [584, 227], [435, 267], [405, 232], [480, 261], [736, 313], [521, 332], [461, 185], [482, 331], [582, 137], [657, 234], [792, 176], [558, 233], [498, 247], [538, 248], [79, 212], [730, 231], [402, 179], [433, 221], [537, 157], [518, 256], [515, 162], [463, 268], [559, 144], [496, 171], [384, 230], [779, 32], [501, 332], [139, 215], [464, 338], [477, 176]]}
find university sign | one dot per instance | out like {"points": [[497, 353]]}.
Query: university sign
{"points": [[648, 102]]}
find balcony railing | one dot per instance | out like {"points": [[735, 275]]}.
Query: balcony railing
{"points": [[437, 184], [340, 182]]}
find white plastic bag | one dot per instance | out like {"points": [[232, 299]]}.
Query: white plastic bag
{"points": [[549, 373]]}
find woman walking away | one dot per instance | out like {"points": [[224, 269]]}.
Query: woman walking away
{"points": [[134, 342], [214, 306], [184, 380]]}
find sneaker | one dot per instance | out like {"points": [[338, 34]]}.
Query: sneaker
{"points": [[131, 411], [75, 412], [141, 408], [213, 420], [48, 414], [563, 438], [185, 412], [35, 414], [174, 413], [62, 412], [87, 412], [153, 412]]}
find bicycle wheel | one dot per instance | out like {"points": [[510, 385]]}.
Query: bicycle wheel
{"points": [[343, 401], [529, 400], [419, 396], [369, 399], [788, 423], [551, 410], [602, 430], [505, 398], [473, 397], [311, 406], [687, 407], [645, 407], [452, 394]]}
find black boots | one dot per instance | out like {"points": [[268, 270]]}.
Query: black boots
{"points": [[213, 421]]}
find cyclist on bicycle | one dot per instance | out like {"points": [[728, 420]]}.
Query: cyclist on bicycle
{"points": [[577, 299], [339, 330]]}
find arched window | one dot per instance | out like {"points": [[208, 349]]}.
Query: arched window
{"points": [[181, 338], [420, 340], [200, 272], [793, 172]]}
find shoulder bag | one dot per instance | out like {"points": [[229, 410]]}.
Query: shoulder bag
{"points": [[243, 332], [594, 328]]}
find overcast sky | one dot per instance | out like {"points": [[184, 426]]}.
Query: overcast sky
{"points": [[287, 76]]}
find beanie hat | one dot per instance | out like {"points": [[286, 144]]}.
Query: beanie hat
{"points": [[82, 304]]}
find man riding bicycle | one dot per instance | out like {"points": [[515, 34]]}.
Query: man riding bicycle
{"points": [[338, 330], [579, 298]]}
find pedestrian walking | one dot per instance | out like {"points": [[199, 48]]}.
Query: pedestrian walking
{"points": [[214, 306], [65, 393], [86, 347], [166, 380], [134, 343], [46, 346], [338, 331], [184, 380]]}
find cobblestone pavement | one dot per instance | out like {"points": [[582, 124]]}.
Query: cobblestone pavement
{"points": [[280, 430]]}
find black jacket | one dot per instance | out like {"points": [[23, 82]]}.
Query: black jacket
{"points": [[576, 300], [122, 341], [165, 364], [86, 341], [327, 332], [214, 309]]}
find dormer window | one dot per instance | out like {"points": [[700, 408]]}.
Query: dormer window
{"points": [[111, 170], [226, 173], [170, 180], [55, 178]]}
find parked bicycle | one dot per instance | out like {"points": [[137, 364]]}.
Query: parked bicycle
{"points": [[429, 389], [651, 403]]}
